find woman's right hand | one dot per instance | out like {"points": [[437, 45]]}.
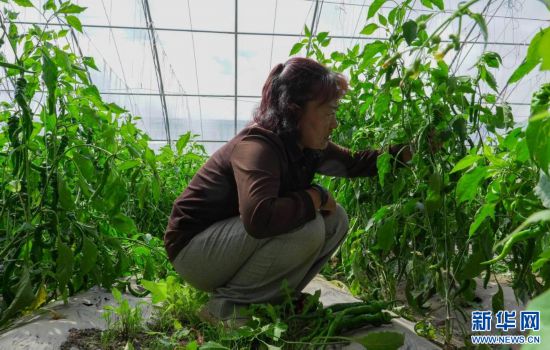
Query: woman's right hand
{"points": [[329, 207]]}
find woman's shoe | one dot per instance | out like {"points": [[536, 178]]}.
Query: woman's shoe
{"points": [[217, 311]]}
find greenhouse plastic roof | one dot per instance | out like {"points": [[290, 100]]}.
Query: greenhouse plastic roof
{"points": [[208, 49]]}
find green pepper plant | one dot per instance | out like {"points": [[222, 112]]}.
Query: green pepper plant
{"points": [[427, 227], [84, 200]]}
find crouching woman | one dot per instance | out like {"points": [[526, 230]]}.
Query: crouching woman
{"points": [[251, 216]]}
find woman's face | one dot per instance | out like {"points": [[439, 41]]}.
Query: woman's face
{"points": [[317, 123]]}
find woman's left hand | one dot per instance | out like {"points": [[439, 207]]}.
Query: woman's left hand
{"points": [[329, 207], [434, 145], [406, 154], [434, 142]]}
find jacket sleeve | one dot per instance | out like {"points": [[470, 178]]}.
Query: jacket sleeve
{"points": [[342, 162], [264, 213]]}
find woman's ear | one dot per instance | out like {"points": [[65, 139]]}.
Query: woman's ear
{"points": [[296, 111], [295, 108]]}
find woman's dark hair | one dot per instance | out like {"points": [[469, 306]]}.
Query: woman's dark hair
{"points": [[289, 87]]}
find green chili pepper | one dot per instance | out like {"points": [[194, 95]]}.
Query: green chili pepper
{"points": [[365, 309], [343, 306], [106, 172], [355, 322], [55, 191], [26, 120], [334, 325], [63, 145], [517, 237], [378, 305]]}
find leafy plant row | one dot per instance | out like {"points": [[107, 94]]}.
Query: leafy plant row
{"points": [[456, 213], [83, 199]]}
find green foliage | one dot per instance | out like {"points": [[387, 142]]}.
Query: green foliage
{"points": [[542, 190], [485, 211], [542, 304], [538, 52], [369, 29], [24, 3], [74, 22], [546, 2], [291, 324], [374, 7], [429, 225], [123, 320], [23, 296], [537, 140], [64, 266], [382, 340], [83, 198], [410, 31], [175, 301], [468, 185]]}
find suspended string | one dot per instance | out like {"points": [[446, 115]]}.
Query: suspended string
{"points": [[318, 17], [273, 36], [307, 16], [341, 21], [196, 68], [125, 81], [538, 78], [483, 12], [180, 85], [353, 43]]}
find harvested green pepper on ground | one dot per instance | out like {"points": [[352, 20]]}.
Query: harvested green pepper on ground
{"points": [[320, 325]]}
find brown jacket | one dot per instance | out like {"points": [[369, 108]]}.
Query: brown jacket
{"points": [[262, 178]]}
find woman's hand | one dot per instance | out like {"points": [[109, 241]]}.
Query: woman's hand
{"points": [[434, 142], [434, 145], [329, 207], [406, 154]]}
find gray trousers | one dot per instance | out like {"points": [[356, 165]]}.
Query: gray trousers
{"points": [[235, 267]]}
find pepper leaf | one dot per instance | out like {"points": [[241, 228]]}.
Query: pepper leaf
{"points": [[24, 3], [468, 184], [369, 29], [296, 48], [89, 255], [74, 22], [64, 265], [382, 340], [409, 31], [376, 4]]}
